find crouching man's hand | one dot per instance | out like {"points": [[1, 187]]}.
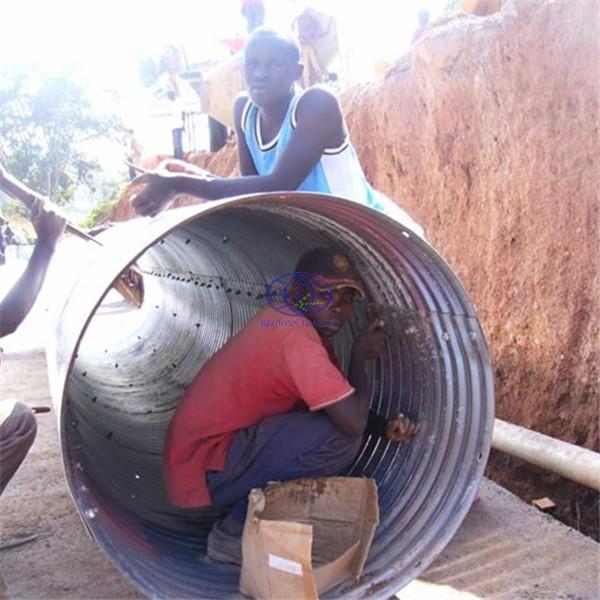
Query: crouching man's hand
{"points": [[370, 343], [401, 428]]}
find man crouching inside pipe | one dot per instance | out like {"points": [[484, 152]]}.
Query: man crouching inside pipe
{"points": [[273, 405]]}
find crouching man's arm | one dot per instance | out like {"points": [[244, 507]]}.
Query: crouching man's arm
{"points": [[352, 415]]}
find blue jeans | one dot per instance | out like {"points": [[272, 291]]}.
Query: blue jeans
{"points": [[293, 445]]}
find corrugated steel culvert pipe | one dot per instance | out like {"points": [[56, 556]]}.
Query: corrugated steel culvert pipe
{"points": [[117, 372]]}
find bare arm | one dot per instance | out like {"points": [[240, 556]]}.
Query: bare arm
{"points": [[351, 414], [246, 163], [320, 125], [20, 299]]}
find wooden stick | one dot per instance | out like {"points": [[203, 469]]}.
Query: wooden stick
{"points": [[20, 542], [136, 167], [13, 187]]}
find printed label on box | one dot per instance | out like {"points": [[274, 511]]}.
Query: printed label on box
{"points": [[283, 564]]}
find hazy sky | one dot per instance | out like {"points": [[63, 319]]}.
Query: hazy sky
{"points": [[105, 38], [102, 41]]}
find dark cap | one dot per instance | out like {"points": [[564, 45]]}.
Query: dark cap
{"points": [[334, 266]]}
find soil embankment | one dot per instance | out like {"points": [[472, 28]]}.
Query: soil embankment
{"points": [[488, 134]]}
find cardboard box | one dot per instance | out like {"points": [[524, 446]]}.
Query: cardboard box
{"points": [[303, 537]]}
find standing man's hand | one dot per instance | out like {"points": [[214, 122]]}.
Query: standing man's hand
{"points": [[401, 428], [156, 194], [160, 187], [48, 225], [370, 344]]}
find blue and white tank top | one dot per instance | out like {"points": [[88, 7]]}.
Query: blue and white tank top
{"points": [[338, 172]]}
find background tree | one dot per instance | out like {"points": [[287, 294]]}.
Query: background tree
{"points": [[46, 122]]}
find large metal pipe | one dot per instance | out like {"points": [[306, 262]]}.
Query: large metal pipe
{"points": [[117, 372], [567, 460]]}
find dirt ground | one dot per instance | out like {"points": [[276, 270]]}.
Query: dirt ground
{"points": [[62, 562], [504, 549], [575, 505]]}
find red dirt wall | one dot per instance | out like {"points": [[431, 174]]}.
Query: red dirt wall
{"points": [[488, 134]]}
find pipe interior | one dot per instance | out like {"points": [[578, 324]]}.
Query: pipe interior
{"points": [[203, 282]]}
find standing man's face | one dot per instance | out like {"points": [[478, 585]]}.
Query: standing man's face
{"points": [[269, 70]]}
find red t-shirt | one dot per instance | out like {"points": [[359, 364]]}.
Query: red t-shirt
{"points": [[271, 366]]}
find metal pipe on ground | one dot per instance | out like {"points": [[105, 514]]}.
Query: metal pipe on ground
{"points": [[567, 460], [117, 372]]}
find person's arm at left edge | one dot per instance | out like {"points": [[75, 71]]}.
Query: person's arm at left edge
{"points": [[18, 302], [319, 126]]}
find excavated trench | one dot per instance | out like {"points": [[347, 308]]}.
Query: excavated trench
{"points": [[117, 372]]}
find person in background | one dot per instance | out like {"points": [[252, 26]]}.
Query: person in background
{"points": [[423, 17], [17, 422], [318, 39], [254, 13], [7, 237], [178, 93], [273, 403], [157, 116]]}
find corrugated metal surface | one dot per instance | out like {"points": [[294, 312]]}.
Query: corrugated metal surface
{"points": [[116, 374]]}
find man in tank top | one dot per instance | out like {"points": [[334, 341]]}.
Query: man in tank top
{"points": [[287, 140]]}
